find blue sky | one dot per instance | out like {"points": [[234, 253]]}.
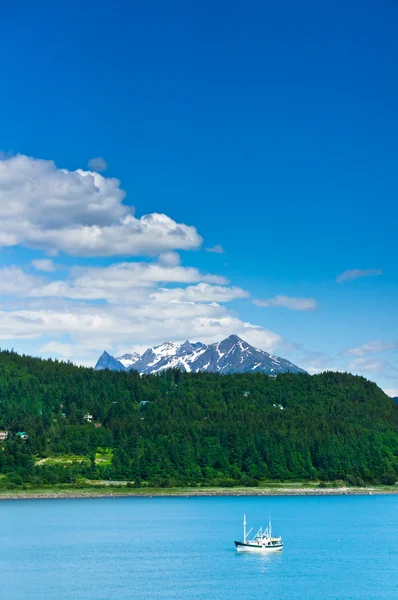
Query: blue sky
{"points": [[269, 130]]}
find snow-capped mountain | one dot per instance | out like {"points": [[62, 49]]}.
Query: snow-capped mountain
{"points": [[128, 360], [232, 355]]}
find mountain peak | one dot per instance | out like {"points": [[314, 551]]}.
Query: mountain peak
{"points": [[231, 355], [106, 361], [128, 360], [233, 338]]}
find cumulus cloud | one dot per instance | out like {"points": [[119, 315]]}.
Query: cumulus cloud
{"points": [[107, 325], [371, 348], [80, 213], [120, 282], [203, 292], [14, 281], [217, 249], [122, 278], [169, 259], [367, 365], [136, 308], [97, 164], [123, 305], [288, 302], [357, 273], [44, 264]]}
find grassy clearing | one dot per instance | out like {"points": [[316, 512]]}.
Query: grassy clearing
{"points": [[102, 457], [61, 460]]}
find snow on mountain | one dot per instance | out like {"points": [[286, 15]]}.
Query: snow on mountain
{"points": [[232, 355], [128, 360]]}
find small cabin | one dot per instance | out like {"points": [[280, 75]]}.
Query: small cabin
{"points": [[97, 425], [22, 435], [3, 435], [88, 418], [279, 406], [144, 403], [246, 394]]}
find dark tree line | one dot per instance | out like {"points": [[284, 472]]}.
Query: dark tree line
{"points": [[193, 428]]}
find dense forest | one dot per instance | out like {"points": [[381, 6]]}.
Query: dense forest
{"points": [[190, 428]]}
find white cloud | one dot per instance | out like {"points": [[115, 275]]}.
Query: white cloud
{"points": [[80, 213], [367, 365], [44, 264], [314, 370], [392, 392], [64, 350], [258, 337], [123, 305], [97, 164], [217, 249], [107, 326], [136, 309], [14, 281], [169, 259], [130, 349], [120, 279], [203, 292], [288, 302], [371, 348], [121, 283], [357, 273]]}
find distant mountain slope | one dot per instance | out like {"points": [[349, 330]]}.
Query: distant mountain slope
{"points": [[106, 361], [232, 355]]}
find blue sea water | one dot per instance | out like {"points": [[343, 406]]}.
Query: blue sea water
{"points": [[340, 547]]}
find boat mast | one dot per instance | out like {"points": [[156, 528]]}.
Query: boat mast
{"points": [[269, 526], [244, 529]]}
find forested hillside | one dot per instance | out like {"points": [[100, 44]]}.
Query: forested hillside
{"points": [[191, 428]]}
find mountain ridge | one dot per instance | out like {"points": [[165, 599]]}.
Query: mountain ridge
{"points": [[231, 355]]}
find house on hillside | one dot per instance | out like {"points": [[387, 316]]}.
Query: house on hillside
{"points": [[88, 418], [24, 436], [3, 435]]}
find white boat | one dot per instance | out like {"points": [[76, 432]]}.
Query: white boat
{"points": [[263, 541]]}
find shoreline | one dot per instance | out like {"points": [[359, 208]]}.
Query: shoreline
{"points": [[194, 492]]}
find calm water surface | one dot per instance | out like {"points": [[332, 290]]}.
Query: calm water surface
{"points": [[165, 548]]}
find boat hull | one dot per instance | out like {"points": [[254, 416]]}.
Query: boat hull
{"points": [[241, 547]]}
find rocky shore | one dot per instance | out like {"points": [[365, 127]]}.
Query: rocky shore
{"points": [[196, 492]]}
